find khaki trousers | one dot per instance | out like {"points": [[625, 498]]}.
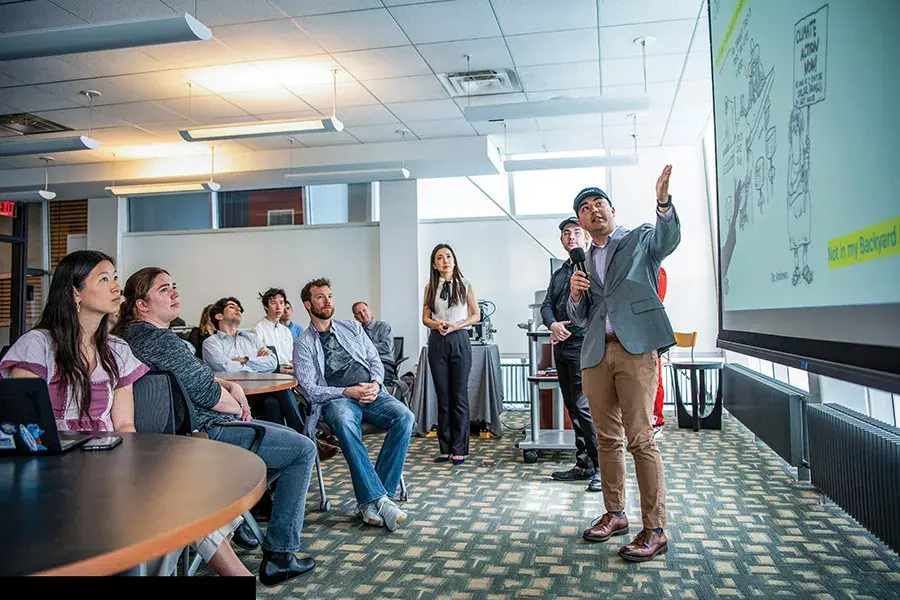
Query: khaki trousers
{"points": [[620, 391]]}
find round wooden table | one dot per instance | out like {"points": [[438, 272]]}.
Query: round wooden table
{"points": [[103, 512], [259, 383]]}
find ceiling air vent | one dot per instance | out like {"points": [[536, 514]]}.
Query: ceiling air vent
{"points": [[26, 124], [487, 82]]}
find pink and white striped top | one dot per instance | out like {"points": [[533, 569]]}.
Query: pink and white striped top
{"points": [[34, 352]]}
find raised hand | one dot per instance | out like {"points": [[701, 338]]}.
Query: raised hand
{"points": [[662, 185]]}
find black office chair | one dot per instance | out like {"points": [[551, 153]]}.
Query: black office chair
{"points": [[275, 354], [161, 405]]}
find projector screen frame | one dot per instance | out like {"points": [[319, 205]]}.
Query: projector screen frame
{"points": [[814, 356]]}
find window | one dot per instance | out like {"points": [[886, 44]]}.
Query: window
{"points": [[251, 208], [281, 217], [552, 192], [458, 198], [170, 212]]}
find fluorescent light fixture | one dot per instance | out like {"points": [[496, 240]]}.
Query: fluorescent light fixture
{"points": [[555, 107], [101, 36], [29, 196], [260, 129], [162, 188], [513, 165], [38, 145], [349, 176]]}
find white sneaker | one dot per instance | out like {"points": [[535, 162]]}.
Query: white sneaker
{"points": [[391, 514], [370, 515]]}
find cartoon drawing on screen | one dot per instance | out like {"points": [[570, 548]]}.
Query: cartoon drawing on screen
{"points": [[771, 145], [798, 204], [759, 182], [810, 53]]}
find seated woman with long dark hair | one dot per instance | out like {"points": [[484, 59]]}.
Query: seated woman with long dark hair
{"points": [[90, 372]]}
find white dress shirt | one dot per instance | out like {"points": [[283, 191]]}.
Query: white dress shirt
{"points": [[277, 335], [220, 350]]}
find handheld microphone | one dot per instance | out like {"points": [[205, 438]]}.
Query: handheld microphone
{"points": [[576, 255]]}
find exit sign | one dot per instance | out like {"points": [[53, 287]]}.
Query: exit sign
{"points": [[8, 209]]}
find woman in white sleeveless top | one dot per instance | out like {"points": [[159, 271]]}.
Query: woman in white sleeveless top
{"points": [[449, 310]]}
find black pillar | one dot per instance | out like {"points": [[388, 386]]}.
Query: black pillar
{"points": [[18, 278]]}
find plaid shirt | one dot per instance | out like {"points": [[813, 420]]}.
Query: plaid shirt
{"points": [[309, 364]]}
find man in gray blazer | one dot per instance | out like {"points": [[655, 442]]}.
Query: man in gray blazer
{"points": [[625, 328]]}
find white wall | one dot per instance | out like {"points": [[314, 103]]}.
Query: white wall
{"points": [[103, 225], [399, 264], [691, 295], [243, 263], [503, 264]]}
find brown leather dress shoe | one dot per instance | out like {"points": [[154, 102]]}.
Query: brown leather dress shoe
{"points": [[605, 526], [645, 546], [326, 450]]}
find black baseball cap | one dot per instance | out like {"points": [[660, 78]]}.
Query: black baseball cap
{"points": [[586, 193], [564, 222]]}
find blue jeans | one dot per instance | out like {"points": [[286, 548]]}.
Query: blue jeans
{"points": [[345, 417], [289, 458]]}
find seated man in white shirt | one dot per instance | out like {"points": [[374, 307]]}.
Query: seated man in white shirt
{"points": [[231, 349], [272, 332]]}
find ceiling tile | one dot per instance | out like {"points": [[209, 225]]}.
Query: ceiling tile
{"points": [[623, 12], [407, 89], [620, 136], [366, 115], [558, 77], [79, 119], [695, 90], [371, 134], [228, 12], [159, 85], [263, 144], [683, 133], [450, 57], [27, 99], [383, 63], [569, 140], [698, 66], [515, 126], [304, 8], [94, 11], [43, 70], [348, 94], [426, 111], [579, 45], [115, 62], [168, 130], [531, 16], [268, 101], [670, 37], [354, 31], [202, 109], [18, 162], [701, 39], [630, 71], [691, 111], [138, 113], [266, 40], [519, 143], [186, 55], [657, 113], [660, 93], [333, 138], [442, 128], [405, 2], [37, 14], [447, 21], [117, 136]]}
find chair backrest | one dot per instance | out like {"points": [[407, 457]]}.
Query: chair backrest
{"points": [[277, 360], [686, 340], [398, 349], [153, 404]]}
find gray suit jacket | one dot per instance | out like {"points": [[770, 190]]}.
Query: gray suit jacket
{"points": [[628, 293]]}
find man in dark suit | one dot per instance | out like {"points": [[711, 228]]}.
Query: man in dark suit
{"points": [[626, 325]]}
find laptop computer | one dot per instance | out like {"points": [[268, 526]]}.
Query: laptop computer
{"points": [[27, 424]]}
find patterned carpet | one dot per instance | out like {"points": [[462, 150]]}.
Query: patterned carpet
{"points": [[739, 526]]}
